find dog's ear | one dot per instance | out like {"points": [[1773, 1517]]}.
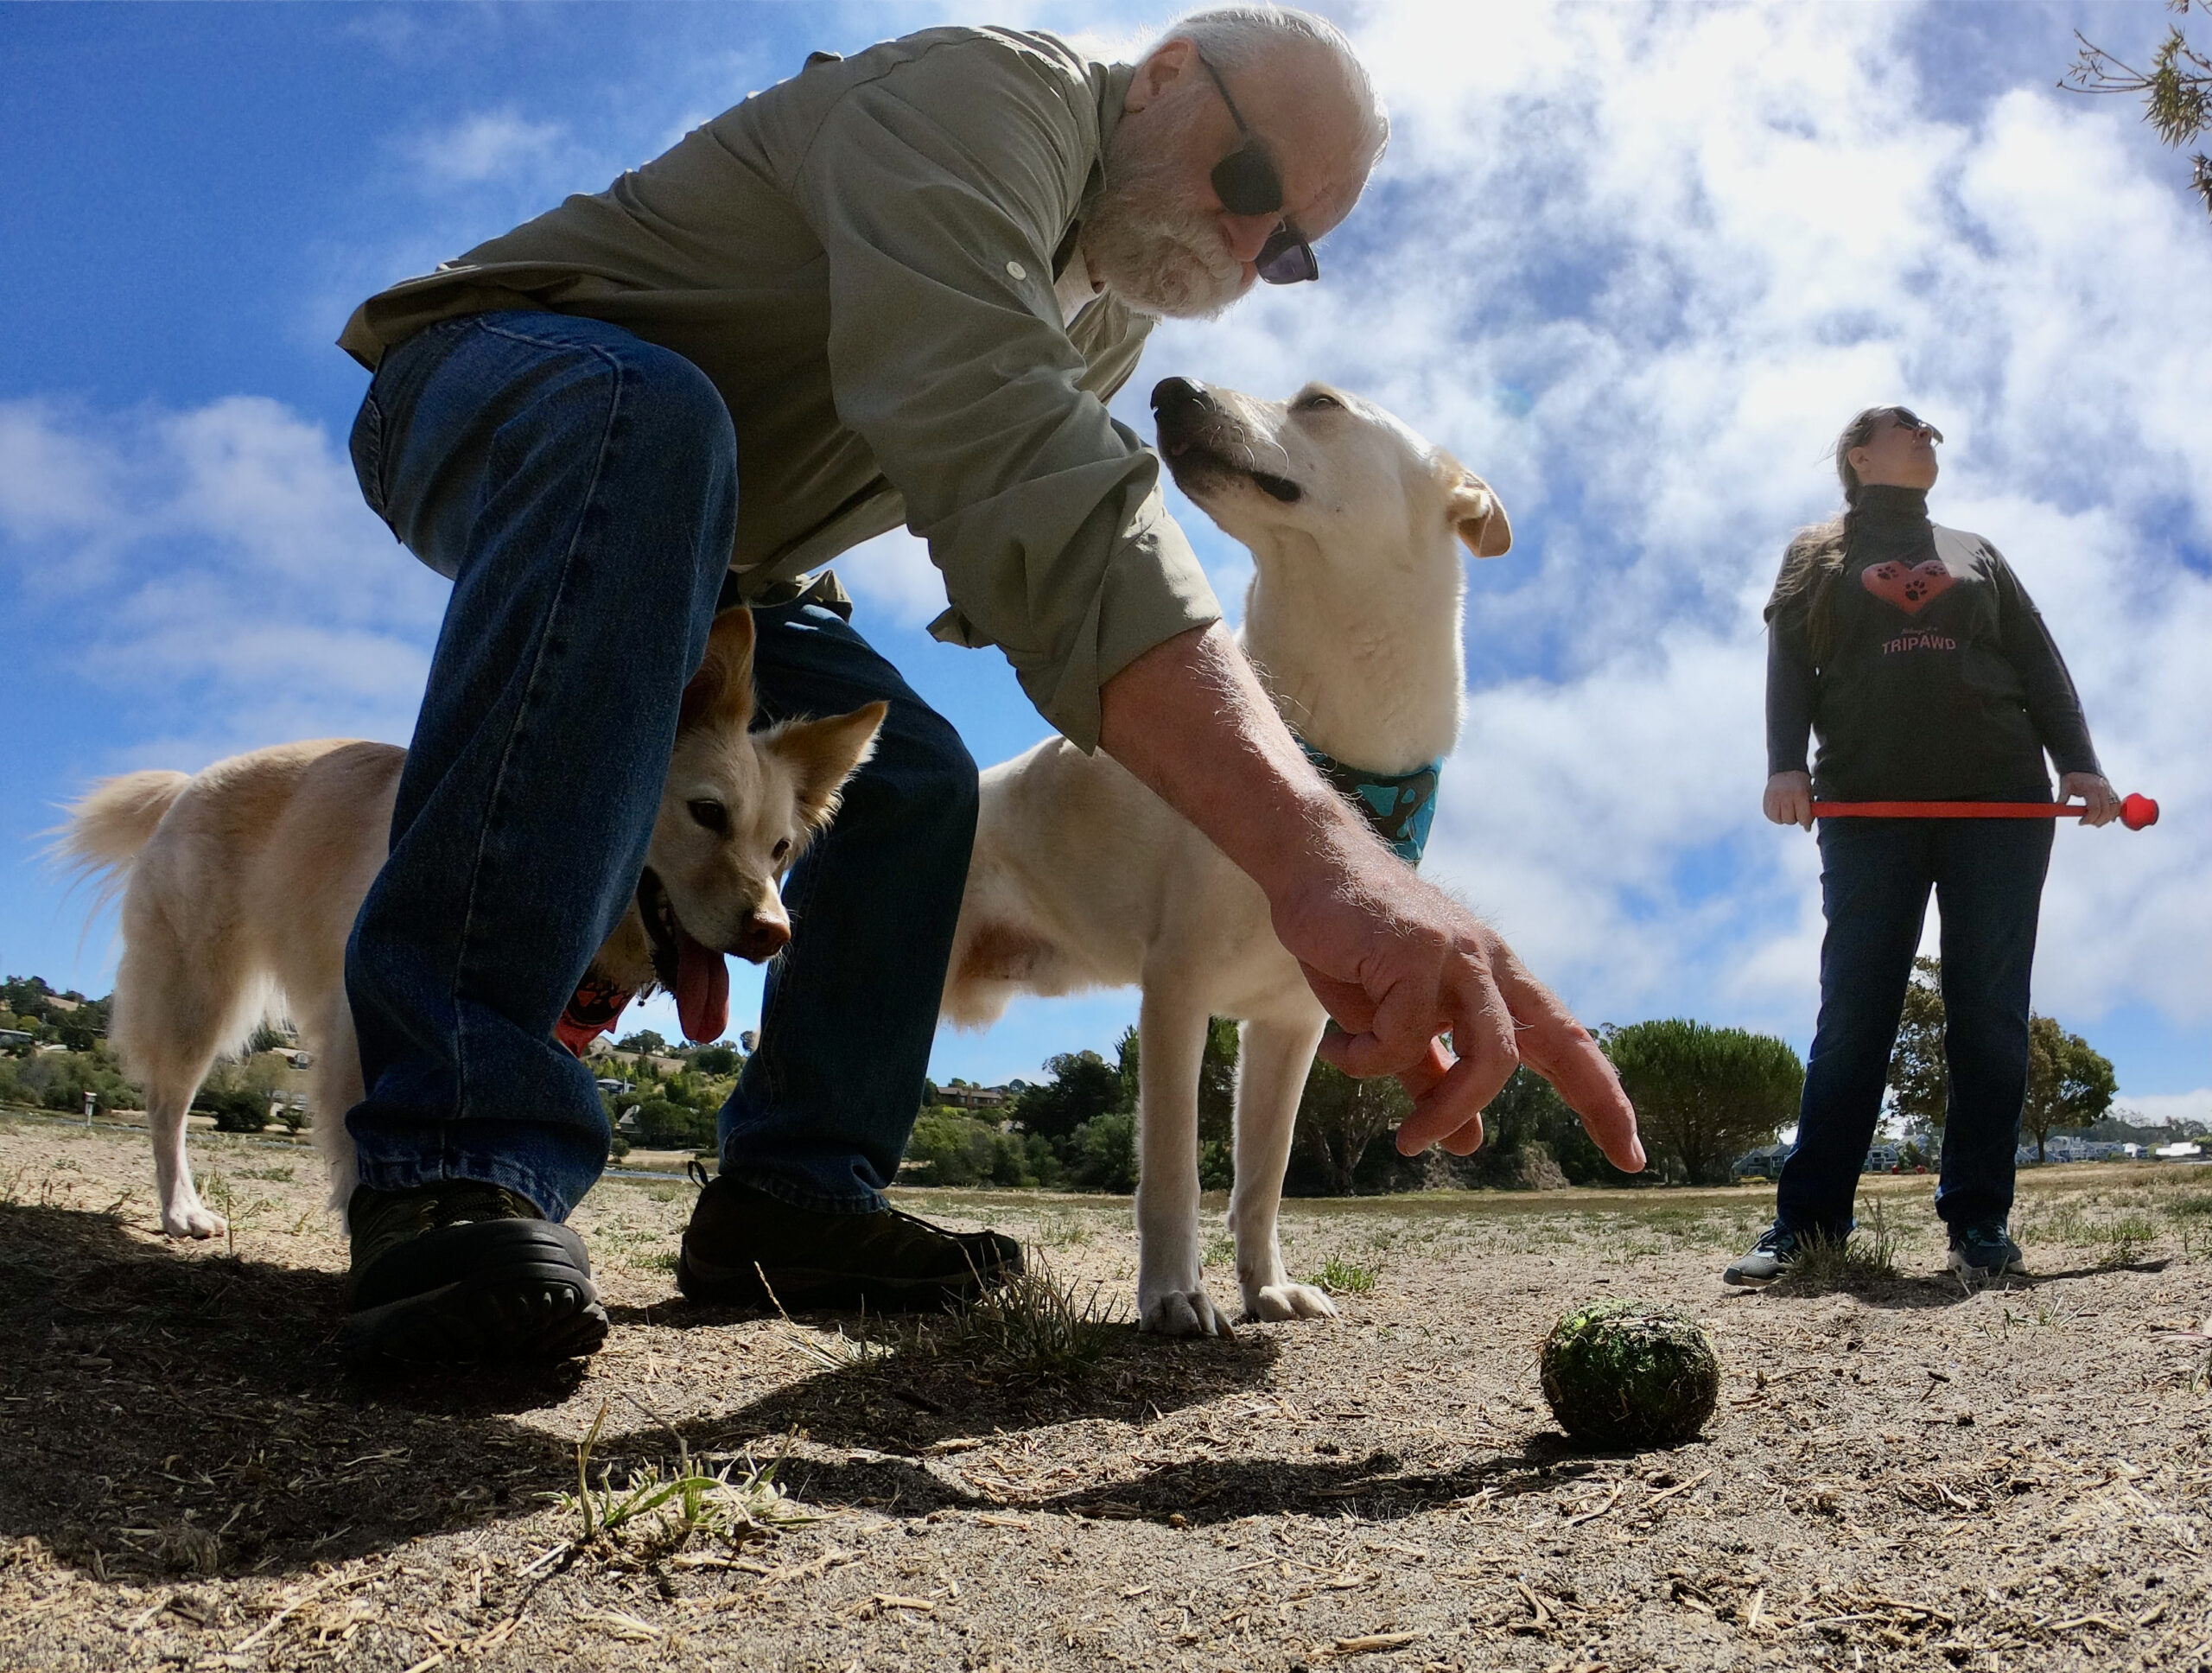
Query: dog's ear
{"points": [[1477, 514], [824, 754], [721, 691]]}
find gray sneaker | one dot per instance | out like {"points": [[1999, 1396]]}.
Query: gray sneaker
{"points": [[1767, 1260], [1981, 1254]]}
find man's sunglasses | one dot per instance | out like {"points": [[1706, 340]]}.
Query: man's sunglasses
{"points": [[1247, 184], [1906, 419]]}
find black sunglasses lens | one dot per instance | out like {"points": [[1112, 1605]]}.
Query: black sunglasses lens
{"points": [[1286, 259], [1245, 183]]}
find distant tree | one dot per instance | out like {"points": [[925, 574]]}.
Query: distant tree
{"points": [[645, 1042], [1339, 1117], [1704, 1096], [2070, 1083], [716, 1060], [1527, 1116], [265, 1039], [1083, 1086], [664, 1124], [952, 1149], [1103, 1153], [1919, 1078], [2177, 93]]}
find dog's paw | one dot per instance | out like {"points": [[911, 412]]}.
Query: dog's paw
{"points": [[1274, 1302], [193, 1222], [1183, 1313]]}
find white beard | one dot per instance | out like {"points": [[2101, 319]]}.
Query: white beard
{"points": [[1158, 253]]}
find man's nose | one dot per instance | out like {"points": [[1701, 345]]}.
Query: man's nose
{"points": [[1247, 235]]}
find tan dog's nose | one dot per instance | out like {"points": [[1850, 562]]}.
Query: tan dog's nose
{"points": [[762, 938]]}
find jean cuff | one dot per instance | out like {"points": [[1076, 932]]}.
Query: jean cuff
{"points": [[785, 1189], [406, 1174]]}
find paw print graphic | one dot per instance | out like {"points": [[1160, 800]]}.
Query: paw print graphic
{"points": [[1915, 589]]}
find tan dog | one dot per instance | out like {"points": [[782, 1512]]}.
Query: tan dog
{"points": [[1082, 877], [240, 886]]}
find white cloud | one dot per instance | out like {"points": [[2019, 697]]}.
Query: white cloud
{"points": [[217, 566], [1638, 268], [488, 145], [2153, 1108]]}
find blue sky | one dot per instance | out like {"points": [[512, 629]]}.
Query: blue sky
{"points": [[1635, 265]]}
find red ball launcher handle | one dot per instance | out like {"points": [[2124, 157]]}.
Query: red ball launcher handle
{"points": [[2135, 812]]}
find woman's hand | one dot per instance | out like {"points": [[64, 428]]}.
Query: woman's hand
{"points": [[1788, 799], [2100, 803]]}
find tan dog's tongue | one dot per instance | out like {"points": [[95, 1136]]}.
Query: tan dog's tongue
{"points": [[701, 990]]}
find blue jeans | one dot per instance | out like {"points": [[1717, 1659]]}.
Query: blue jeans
{"points": [[1875, 877], [579, 487]]}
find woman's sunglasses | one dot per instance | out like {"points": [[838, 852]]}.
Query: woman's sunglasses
{"points": [[1906, 419], [1247, 184]]}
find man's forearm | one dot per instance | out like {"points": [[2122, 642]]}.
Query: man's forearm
{"points": [[1191, 722]]}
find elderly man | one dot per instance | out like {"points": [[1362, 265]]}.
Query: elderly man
{"points": [[898, 288]]}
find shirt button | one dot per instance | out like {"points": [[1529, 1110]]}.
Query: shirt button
{"points": [[1016, 270]]}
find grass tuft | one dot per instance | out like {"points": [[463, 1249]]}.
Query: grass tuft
{"points": [[659, 1511], [1342, 1277], [1824, 1263], [1033, 1327]]}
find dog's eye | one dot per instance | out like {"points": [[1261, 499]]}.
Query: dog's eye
{"points": [[712, 815], [1316, 402], [782, 851]]}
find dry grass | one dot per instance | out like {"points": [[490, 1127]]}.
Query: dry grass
{"points": [[1900, 1474]]}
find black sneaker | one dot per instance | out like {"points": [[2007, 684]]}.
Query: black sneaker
{"points": [[1983, 1253], [461, 1272], [886, 1261], [1767, 1260]]}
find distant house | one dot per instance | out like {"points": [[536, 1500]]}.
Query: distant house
{"points": [[2179, 1150], [1882, 1158], [975, 1098], [1763, 1163], [612, 1088], [15, 1036]]}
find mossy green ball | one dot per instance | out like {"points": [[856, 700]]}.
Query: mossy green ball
{"points": [[1630, 1374]]}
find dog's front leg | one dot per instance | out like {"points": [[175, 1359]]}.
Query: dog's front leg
{"points": [[182, 1214], [1272, 1060], [1171, 1296]]}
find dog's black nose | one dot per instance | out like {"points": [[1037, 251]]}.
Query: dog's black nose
{"points": [[1172, 396]]}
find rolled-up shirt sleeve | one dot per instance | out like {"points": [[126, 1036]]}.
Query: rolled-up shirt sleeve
{"points": [[939, 191]]}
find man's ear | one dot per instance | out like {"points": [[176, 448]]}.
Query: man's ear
{"points": [[720, 693], [822, 754], [1476, 515], [1163, 66]]}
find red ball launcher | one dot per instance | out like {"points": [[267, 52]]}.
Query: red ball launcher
{"points": [[2135, 812]]}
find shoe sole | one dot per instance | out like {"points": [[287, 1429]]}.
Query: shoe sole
{"points": [[530, 1299], [1983, 1274], [1745, 1280], [798, 1287]]}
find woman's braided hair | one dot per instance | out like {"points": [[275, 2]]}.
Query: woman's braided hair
{"points": [[1815, 556]]}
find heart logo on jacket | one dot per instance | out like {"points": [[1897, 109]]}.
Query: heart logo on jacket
{"points": [[1908, 589]]}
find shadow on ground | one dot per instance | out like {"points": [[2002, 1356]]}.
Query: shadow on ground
{"points": [[178, 1411]]}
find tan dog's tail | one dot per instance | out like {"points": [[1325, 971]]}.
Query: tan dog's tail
{"points": [[112, 824]]}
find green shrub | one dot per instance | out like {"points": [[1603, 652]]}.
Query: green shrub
{"points": [[664, 1124], [1103, 1153], [949, 1147]]}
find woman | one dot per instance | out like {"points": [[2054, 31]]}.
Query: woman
{"points": [[1915, 656]]}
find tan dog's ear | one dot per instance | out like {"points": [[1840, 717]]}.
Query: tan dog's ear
{"points": [[1476, 513], [824, 754], [721, 691]]}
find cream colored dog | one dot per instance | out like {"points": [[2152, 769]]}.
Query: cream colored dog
{"points": [[241, 885], [1082, 877]]}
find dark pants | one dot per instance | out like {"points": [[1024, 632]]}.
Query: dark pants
{"points": [[580, 487], [1875, 876]]}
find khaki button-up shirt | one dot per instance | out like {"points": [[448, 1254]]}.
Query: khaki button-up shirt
{"points": [[863, 260]]}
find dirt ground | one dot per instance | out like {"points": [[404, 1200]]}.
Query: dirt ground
{"points": [[1899, 1475]]}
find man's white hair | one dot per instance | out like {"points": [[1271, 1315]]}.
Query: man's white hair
{"points": [[1241, 37]]}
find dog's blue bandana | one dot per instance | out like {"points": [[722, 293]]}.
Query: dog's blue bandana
{"points": [[1400, 808]]}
